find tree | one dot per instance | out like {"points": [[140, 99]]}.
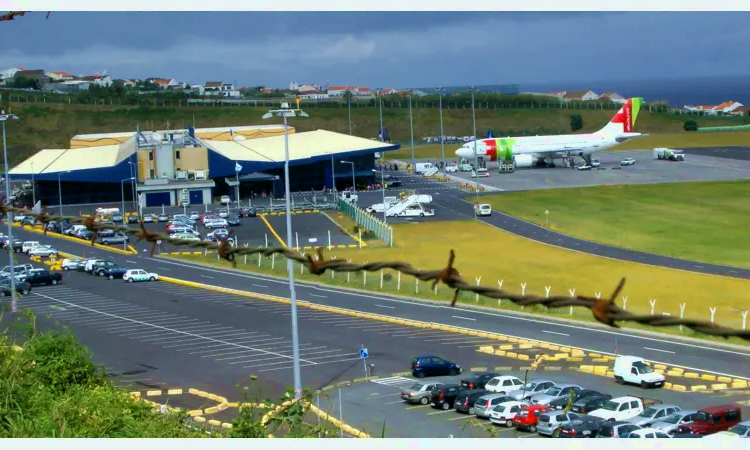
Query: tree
{"points": [[22, 82], [576, 122], [690, 125]]}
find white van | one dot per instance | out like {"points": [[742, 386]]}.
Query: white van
{"points": [[28, 245], [422, 167], [483, 210], [633, 369], [481, 173]]}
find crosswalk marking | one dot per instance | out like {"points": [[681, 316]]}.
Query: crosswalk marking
{"points": [[394, 381]]}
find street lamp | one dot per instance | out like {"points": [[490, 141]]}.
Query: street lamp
{"points": [[285, 112], [442, 133], [4, 118], [59, 188], [411, 130], [134, 177], [379, 92], [349, 106], [472, 89], [382, 185], [33, 191], [122, 192], [354, 179]]}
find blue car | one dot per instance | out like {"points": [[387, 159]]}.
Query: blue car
{"points": [[431, 365], [115, 272]]}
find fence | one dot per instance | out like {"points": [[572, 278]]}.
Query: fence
{"points": [[368, 221]]}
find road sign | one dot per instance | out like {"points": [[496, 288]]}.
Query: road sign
{"points": [[363, 353]]}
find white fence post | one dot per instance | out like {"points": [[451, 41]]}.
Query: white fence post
{"points": [[329, 241], [682, 312], [625, 302], [398, 282], [713, 312], [547, 289], [572, 294], [416, 283], [333, 272], [653, 305], [523, 292], [364, 276], [302, 266], [500, 287], [598, 295], [348, 273], [744, 319], [476, 296], [266, 240], [273, 261], [381, 279]]}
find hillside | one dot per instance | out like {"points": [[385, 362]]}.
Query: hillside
{"points": [[52, 125]]}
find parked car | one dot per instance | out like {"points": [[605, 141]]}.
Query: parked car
{"points": [[551, 421], [40, 276], [616, 429], [225, 199], [115, 272], [22, 287], [133, 218], [223, 213], [504, 413], [742, 429], [117, 217], [194, 215], [485, 404], [185, 236], [419, 392], [445, 396], [110, 237], [70, 264], [580, 397], [646, 433], [43, 250], [101, 267], [634, 370], [134, 275], [653, 414], [671, 423], [431, 365], [466, 399], [220, 233], [621, 408], [528, 417], [713, 419], [150, 218], [554, 393], [531, 389], [582, 427], [249, 211], [89, 267], [233, 219], [216, 223], [478, 380], [503, 384], [162, 218], [627, 162]]}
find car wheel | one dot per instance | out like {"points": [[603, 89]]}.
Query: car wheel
{"points": [[453, 372], [111, 277], [66, 268], [509, 423], [471, 411], [25, 292], [54, 281], [130, 280], [420, 374], [2, 293], [644, 385], [532, 429], [446, 406], [620, 380], [556, 433], [152, 279], [424, 400]]}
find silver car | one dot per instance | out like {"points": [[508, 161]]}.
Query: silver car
{"points": [[419, 392], [485, 404], [742, 429], [553, 393], [653, 414], [670, 423], [550, 422], [531, 389]]}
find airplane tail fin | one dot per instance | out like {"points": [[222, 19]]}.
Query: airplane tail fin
{"points": [[624, 120]]}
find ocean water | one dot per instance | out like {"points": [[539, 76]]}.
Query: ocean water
{"points": [[677, 91]]}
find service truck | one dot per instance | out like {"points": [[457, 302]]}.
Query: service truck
{"points": [[669, 154]]}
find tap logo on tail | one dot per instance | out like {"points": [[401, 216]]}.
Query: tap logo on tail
{"points": [[628, 114]]}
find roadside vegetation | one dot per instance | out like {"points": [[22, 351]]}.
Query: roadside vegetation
{"points": [[493, 256], [50, 387]]}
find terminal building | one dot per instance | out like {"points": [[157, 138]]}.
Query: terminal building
{"points": [[198, 165]]}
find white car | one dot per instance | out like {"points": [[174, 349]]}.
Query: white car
{"points": [[627, 162], [620, 408], [70, 264], [504, 413], [223, 213], [645, 433], [225, 199], [584, 167], [195, 215], [185, 236], [451, 168], [595, 163], [216, 223], [481, 173], [134, 275], [504, 384], [43, 250], [483, 210]]}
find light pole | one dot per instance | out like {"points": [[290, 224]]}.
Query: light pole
{"points": [[354, 179], [33, 191], [59, 188], [349, 106], [333, 177], [379, 92], [122, 192], [285, 112], [442, 133], [237, 169], [4, 118], [134, 177], [411, 130], [382, 185], [476, 161]]}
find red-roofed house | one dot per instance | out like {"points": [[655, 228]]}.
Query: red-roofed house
{"points": [[581, 95], [389, 91], [340, 90], [10, 73], [613, 97], [705, 109], [60, 76], [163, 83], [728, 106], [741, 111]]}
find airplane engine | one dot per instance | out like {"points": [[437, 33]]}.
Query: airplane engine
{"points": [[524, 160]]}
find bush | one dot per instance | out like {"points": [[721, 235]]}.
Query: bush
{"points": [[576, 122], [690, 125]]}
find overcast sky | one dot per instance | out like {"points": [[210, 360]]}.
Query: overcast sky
{"points": [[379, 49]]}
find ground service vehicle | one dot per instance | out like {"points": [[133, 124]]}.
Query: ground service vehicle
{"points": [[419, 392], [431, 365], [713, 419], [633, 369], [627, 162], [483, 210], [669, 154]]}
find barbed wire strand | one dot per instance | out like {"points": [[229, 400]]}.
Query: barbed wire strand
{"points": [[604, 310]]}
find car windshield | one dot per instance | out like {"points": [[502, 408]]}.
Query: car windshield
{"points": [[416, 386], [673, 418], [642, 368], [553, 391], [648, 412], [499, 408], [530, 385], [611, 406], [739, 429]]}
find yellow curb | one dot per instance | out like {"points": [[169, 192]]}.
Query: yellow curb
{"points": [[525, 346], [512, 339], [698, 388], [227, 426], [678, 370], [506, 347], [153, 393], [553, 347], [511, 354], [574, 359], [214, 422], [478, 369], [565, 349], [577, 353], [499, 352], [586, 368], [719, 386], [174, 392], [599, 360], [195, 412], [610, 374], [690, 375], [523, 357], [708, 377], [659, 371], [660, 366], [553, 368], [561, 355], [724, 379], [674, 373], [667, 385], [739, 384], [487, 349], [678, 387], [199, 419]]}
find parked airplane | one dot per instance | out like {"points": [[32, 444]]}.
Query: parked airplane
{"points": [[541, 150]]}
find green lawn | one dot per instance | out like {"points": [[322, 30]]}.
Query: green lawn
{"points": [[706, 221]]}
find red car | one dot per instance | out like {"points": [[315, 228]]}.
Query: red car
{"points": [[528, 417], [713, 419]]}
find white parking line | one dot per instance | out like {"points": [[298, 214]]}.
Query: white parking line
{"points": [[555, 332], [658, 350], [165, 328], [206, 276], [464, 318], [316, 295], [251, 354], [151, 332], [383, 306], [228, 331], [260, 285], [271, 358]]}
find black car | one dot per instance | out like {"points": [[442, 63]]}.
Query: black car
{"points": [[248, 211], [578, 397], [583, 427], [233, 219], [465, 400], [478, 380], [38, 277], [100, 268], [591, 403], [22, 287], [445, 397], [392, 184], [431, 365], [86, 235], [115, 272]]}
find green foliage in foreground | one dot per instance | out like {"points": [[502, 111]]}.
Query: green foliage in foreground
{"points": [[51, 387]]}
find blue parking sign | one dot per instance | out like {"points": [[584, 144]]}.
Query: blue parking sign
{"points": [[363, 353]]}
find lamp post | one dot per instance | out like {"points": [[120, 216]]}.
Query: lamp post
{"points": [[33, 191], [354, 179], [476, 160], [285, 112], [122, 192], [59, 188], [134, 177], [4, 118], [442, 133], [382, 186], [411, 130], [379, 92], [349, 106]]}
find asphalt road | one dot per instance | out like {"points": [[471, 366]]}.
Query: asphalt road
{"points": [[702, 357]]}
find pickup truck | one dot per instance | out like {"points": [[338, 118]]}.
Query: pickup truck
{"points": [[37, 277], [623, 408]]}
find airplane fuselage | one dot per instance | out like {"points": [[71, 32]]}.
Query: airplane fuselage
{"points": [[505, 148]]}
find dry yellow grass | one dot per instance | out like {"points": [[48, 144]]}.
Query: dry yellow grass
{"points": [[495, 255]]}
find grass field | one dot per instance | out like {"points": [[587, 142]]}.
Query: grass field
{"points": [[52, 125], [703, 221], [670, 140], [494, 255]]}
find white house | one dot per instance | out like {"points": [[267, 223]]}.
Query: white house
{"points": [[705, 109], [728, 106], [10, 73], [101, 80], [613, 97], [313, 96], [219, 89], [581, 95], [60, 76], [306, 88], [340, 90]]}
